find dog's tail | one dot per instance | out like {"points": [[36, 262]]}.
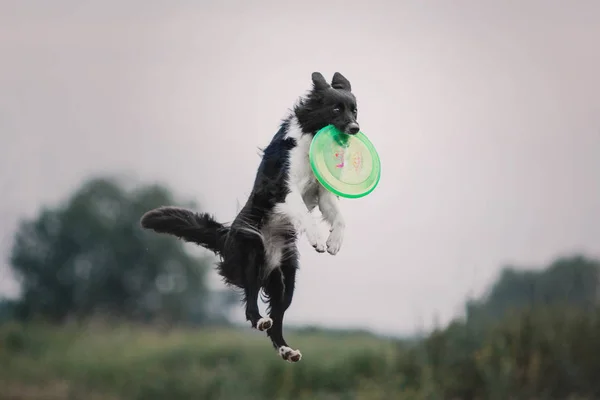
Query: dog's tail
{"points": [[201, 229]]}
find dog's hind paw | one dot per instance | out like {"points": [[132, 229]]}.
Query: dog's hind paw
{"points": [[289, 354], [264, 324]]}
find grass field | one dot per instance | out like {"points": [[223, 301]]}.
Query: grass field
{"points": [[125, 362], [541, 354]]}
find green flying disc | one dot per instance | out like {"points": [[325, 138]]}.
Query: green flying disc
{"points": [[346, 165]]}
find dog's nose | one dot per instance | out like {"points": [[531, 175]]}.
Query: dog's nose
{"points": [[353, 128]]}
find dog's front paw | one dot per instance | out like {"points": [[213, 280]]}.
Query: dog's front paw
{"points": [[315, 239], [334, 241], [317, 243]]}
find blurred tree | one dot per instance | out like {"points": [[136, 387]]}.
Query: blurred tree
{"points": [[568, 281], [6, 309], [91, 257]]}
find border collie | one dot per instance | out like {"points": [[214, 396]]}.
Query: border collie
{"points": [[258, 249]]}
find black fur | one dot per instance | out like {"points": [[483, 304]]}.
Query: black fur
{"points": [[240, 245], [201, 229]]}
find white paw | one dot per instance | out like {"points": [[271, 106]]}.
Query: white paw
{"points": [[314, 238], [289, 354], [264, 324], [334, 241]]}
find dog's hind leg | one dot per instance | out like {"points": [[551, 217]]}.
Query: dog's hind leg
{"points": [[252, 286], [280, 289]]}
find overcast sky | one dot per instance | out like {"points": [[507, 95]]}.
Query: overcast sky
{"points": [[486, 116]]}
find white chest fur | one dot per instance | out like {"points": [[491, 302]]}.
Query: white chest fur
{"points": [[301, 176], [303, 196]]}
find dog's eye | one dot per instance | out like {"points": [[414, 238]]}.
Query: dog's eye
{"points": [[336, 110], [355, 111]]}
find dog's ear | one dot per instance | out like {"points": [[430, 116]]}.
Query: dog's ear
{"points": [[319, 82], [340, 82]]}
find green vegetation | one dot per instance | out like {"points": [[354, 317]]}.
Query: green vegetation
{"points": [[143, 363], [533, 354], [89, 256]]}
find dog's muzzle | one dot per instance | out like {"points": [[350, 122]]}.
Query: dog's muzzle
{"points": [[352, 128]]}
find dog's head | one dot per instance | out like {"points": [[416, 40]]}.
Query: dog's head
{"points": [[329, 104]]}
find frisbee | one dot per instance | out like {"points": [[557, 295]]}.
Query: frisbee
{"points": [[346, 165]]}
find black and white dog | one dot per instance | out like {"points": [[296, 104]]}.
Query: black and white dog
{"points": [[258, 249]]}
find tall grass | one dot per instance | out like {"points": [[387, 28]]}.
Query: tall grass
{"points": [[536, 354], [140, 363]]}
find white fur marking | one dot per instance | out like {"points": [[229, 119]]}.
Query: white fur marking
{"points": [[294, 130], [290, 355], [302, 184], [276, 247]]}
